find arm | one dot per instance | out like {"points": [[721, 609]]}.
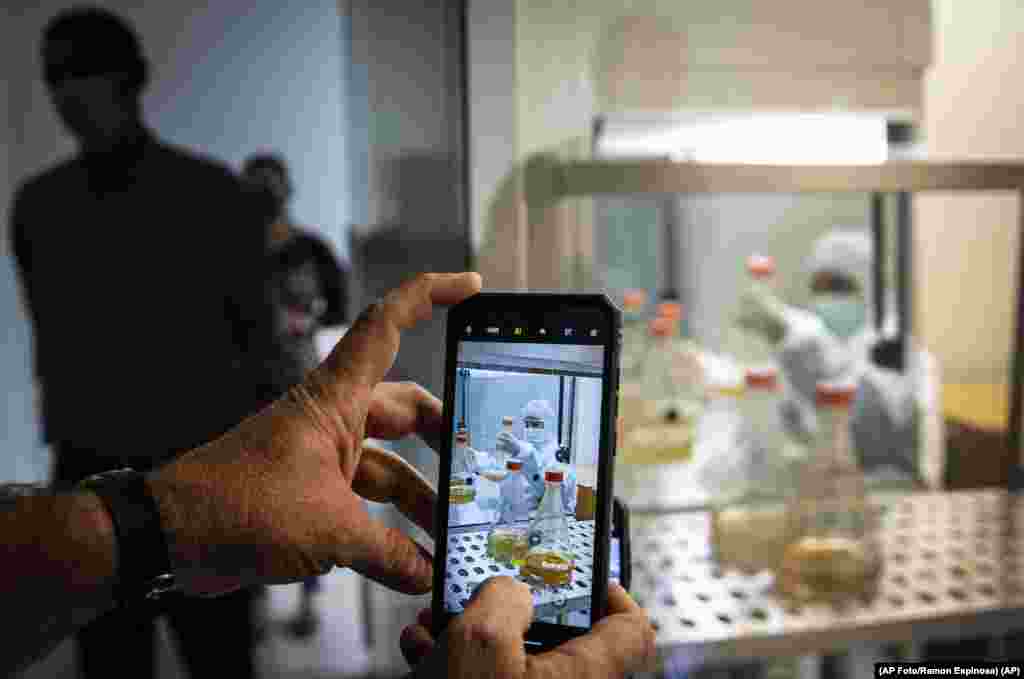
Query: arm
{"points": [[277, 499], [22, 252], [57, 564]]}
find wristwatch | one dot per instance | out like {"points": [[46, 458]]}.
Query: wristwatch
{"points": [[143, 561]]}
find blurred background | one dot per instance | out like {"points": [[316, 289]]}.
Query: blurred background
{"points": [[408, 127]]}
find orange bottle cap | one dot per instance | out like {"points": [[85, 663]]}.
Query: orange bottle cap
{"points": [[761, 265], [762, 378], [507, 420], [835, 394], [514, 465], [670, 310]]}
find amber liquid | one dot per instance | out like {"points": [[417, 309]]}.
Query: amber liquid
{"points": [[827, 568], [508, 545], [751, 539], [550, 567], [658, 444], [586, 503], [461, 494]]}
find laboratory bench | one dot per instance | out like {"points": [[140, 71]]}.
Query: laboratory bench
{"points": [[953, 568], [469, 565], [953, 561]]}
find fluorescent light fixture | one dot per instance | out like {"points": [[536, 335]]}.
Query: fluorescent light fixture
{"points": [[763, 138]]}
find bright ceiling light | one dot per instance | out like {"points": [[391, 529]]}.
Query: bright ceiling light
{"points": [[762, 138]]}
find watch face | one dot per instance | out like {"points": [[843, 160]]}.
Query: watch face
{"points": [[162, 584]]}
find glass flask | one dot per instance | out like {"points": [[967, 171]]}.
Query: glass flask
{"points": [[748, 526], [832, 551], [549, 559], [748, 348], [503, 450], [462, 489], [666, 406], [497, 471], [507, 541], [634, 333]]}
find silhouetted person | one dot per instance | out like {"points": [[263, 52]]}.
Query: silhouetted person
{"points": [[140, 265], [308, 288]]}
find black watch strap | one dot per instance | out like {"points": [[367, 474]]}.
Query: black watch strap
{"points": [[143, 561]]}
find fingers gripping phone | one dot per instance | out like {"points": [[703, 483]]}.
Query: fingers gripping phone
{"points": [[525, 485]]}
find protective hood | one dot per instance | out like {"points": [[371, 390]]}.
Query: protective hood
{"points": [[538, 408], [847, 251]]}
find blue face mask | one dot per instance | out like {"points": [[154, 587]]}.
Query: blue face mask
{"points": [[534, 435], [844, 315]]}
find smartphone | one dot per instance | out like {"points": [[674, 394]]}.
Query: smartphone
{"points": [[620, 558], [525, 483]]}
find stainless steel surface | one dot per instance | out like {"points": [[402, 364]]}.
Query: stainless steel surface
{"points": [[952, 568], [469, 565], [549, 180]]}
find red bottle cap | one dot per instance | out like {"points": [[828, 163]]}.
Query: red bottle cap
{"points": [[761, 265], [514, 465], [762, 378], [554, 476], [461, 437], [835, 394], [633, 300]]}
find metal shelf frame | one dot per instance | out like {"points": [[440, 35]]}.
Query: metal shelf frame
{"points": [[550, 182], [954, 567], [705, 614]]}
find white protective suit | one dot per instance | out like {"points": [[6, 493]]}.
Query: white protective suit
{"points": [[896, 420], [538, 454]]}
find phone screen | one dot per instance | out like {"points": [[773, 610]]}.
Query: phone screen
{"points": [[524, 492]]}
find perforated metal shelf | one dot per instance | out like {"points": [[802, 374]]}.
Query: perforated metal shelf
{"points": [[469, 565], [952, 561]]}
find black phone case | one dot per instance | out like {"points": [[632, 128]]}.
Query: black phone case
{"points": [[621, 513], [541, 636]]}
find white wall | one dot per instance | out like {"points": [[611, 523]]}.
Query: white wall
{"points": [[228, 78], [22, 458]]}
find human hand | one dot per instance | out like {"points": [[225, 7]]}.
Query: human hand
{"points": [[280, 497], [511, 445], [487, 640]]}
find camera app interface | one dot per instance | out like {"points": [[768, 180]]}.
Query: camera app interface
{"points": [[523, 484]]}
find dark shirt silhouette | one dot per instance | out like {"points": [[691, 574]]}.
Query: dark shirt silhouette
{"points": [[141, 272], [308, 291]]}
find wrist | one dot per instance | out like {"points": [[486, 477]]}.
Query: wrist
{"points": [[166, 495], [89, 524], [143, 569]]}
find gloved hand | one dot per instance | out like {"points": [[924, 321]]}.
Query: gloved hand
{"points": [[763, 315], [513, 446], [279, 498], [798, 420], [487, 640]]}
